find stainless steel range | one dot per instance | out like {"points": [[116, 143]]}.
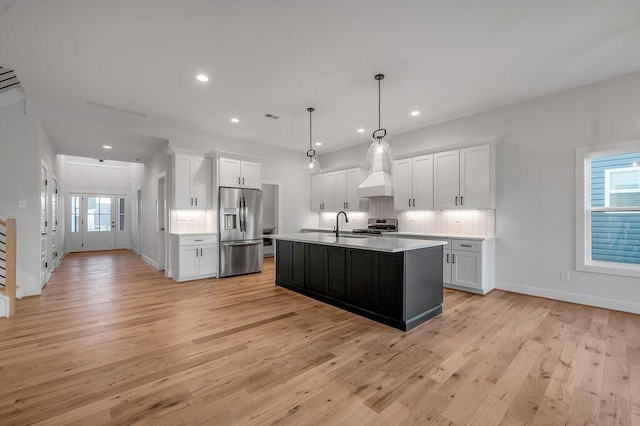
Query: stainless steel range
{"points": [[378, 227]]}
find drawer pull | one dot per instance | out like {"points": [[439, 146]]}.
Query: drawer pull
{"points": [[466, 245], [203, 240]]}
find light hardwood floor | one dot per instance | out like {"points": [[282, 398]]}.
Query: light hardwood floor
{"points": [[111, 341]]}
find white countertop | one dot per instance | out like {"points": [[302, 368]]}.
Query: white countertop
{"points": [[411, 234], [386, 244]]}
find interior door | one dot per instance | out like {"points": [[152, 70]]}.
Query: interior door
{"points": [[43, 225], [54, 222], [99, 230]]}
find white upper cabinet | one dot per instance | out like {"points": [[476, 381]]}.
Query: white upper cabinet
{"points": [[328, 192], [316, 193], [423, 182], [251, 174], [477, 178], [346, 190], [353, 202], [192, 182], [403, 184], [323, 192], [239, 174], [229, 172], [340, 185], [446, 179], [335, 191], [413, 183], [465, 178]]}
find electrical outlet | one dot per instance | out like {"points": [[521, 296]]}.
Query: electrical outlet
{"points": [[22, 204], [564, 275], [286, 217]]}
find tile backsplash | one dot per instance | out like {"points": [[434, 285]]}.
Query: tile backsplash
{"points": [[188, 221], [452, 222]]}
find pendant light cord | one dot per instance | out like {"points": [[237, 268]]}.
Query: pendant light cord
{"points": [[380, 129], [310, 130], [379, 90]]}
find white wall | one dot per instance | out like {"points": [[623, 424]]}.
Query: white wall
{"points": [[158, 163], [535, 215], [19, 179]]}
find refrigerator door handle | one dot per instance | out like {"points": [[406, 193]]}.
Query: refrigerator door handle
{"points": [[243, 214], [250, 243]]}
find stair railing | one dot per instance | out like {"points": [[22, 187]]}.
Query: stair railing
{"points": [[8, 262]]}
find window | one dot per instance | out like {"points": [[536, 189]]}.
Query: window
{"points": [[98, 214], [608, 209], [121, 201], [75, 213]]}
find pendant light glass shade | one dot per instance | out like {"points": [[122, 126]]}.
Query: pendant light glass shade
{"points": [[311, 165], [379, 151]]}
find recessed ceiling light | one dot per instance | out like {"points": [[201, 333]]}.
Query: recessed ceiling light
{"points": [[106, 146], [414, 113], [203, 78], [360, 130], [235, 120], [318, 143]]}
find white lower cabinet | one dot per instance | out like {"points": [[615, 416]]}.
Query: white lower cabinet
{"points": [[195, 256], [469, 265]]}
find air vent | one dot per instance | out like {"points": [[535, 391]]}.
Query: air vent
{"points": [[8, 80], [273, 117]]}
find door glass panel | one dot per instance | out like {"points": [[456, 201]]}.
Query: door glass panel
{"points": [[75, 213], [121, 214], [98, 214]]}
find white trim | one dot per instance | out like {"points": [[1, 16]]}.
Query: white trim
{"points": [[564, 296], [150, 261], [584, 262]]}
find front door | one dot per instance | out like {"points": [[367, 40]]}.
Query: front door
{"points": [[99, 229]]}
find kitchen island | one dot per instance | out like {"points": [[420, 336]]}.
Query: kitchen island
{"points": [[395, 281]]}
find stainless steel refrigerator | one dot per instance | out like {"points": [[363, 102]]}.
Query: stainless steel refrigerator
{"points": [[240, 231]]}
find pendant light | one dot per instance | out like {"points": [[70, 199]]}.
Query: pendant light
{"points": [[311, 165], [379, 150]]}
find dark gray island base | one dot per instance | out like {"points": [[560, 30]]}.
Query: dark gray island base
{"points": [[401, 289]]}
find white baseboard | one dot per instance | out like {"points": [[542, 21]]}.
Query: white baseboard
{"points": [[135, 250], [564, 296], [150, 261]]}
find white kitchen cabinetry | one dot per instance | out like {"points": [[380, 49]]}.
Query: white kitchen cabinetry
{"points": [[192, 182], [194, 256], [465, 178], [346, 190], [469, 265], [239, 174], [335, 191], [323, 192], [413, 183]]}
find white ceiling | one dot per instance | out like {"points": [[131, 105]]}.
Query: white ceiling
{"points": [[444, 58]]}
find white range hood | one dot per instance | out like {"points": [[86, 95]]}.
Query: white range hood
{"points": [[378, 183]]}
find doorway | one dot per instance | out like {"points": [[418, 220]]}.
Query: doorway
{"points": [[161, 209], [44, 264], [270, 196], [98, 222]]}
